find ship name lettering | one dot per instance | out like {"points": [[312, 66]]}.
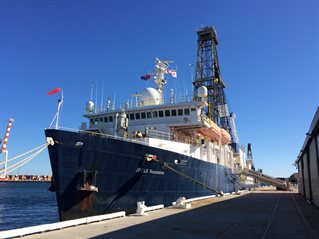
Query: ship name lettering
{"points": [[142, 170], [149, 171], [156, 172]]}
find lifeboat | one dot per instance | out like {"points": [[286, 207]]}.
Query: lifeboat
{"points": [[214, 132], [225, 137]]}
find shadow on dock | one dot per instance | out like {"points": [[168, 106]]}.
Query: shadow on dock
{"points": [[255, 215]]}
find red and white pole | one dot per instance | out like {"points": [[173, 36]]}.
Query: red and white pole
{"points": [[4, 145], [5, 141]]}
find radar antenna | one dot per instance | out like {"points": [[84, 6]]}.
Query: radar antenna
{"points": [[161, 67]]}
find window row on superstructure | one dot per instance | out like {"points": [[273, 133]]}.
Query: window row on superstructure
{"points": [[145, 115]]}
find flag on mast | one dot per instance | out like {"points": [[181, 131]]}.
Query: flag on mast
{"points": [[56, 90], [172, 73], [146, 77]]}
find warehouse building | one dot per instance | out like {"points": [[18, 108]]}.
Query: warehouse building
{"points": [[308, 163]]}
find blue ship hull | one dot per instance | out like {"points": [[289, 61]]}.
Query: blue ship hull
{"points": [[123, 176]]}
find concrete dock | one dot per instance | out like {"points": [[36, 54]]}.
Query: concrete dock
{"points": [[257, 214]]}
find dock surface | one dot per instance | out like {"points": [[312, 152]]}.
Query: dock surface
{"points": [[258, 214]]}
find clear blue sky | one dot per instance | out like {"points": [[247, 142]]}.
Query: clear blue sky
{"points": [[268, 51]]}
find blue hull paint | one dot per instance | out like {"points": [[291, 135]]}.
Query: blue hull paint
{"points": [[123, 176]]}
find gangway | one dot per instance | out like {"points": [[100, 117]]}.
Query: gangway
{"points": [[266, 178]]}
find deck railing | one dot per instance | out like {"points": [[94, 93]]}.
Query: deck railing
{"points": [[130, 105]]}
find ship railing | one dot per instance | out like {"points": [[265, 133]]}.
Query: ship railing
{"points": [[136, 104], [159, 134], [149, 133], [143, 141]]}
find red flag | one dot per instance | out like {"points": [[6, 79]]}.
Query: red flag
{"points": [[146, 77], [56, 90]]}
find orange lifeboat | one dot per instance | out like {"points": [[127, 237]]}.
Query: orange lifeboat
{"points": [[225, 139], [214, 132]]}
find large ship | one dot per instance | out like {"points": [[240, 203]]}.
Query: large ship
{"points": [[151, 149]]}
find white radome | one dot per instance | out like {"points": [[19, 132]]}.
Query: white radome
{"points": [[89, 106], [202, 91], [150, 96]]}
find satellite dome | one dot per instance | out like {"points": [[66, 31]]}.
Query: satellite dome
{"points": [[89, 106], [202, 91], [150, 96]]}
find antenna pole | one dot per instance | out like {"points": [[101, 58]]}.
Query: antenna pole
{"points": [[92, 85], [102, 96], [96, 96]]}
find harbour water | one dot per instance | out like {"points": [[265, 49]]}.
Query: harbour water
{"points": [[24, 204]]}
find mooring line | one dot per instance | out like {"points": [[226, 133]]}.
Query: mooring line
{"points": [[165, 164]]}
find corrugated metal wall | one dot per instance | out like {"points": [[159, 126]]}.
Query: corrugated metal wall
{"points": [[308, 164]]}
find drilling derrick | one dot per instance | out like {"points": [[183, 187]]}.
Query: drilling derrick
{"points": [[208, 75]]}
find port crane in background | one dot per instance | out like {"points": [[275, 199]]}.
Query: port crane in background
{"points": [[4, 148], [5, 170], [208, 75]]}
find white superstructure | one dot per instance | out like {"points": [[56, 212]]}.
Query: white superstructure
{"points": [[176, 125]]}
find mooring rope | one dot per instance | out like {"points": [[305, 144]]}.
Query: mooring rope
{"points": [[25, 160], [165, 164], [18, 156]]}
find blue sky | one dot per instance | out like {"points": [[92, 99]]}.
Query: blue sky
{"points": [[268, 52]]}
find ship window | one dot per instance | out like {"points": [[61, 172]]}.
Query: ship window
{"points": [[91, 121], [143, 115], [160, 113], [137, 115], [110, 118], [96, 120], [193, 109], [173, 112], [180, 111], [106, 119], [131, 116], [186, 111], [167, 113], [155, 114], [101, 119], [149, 115]]}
